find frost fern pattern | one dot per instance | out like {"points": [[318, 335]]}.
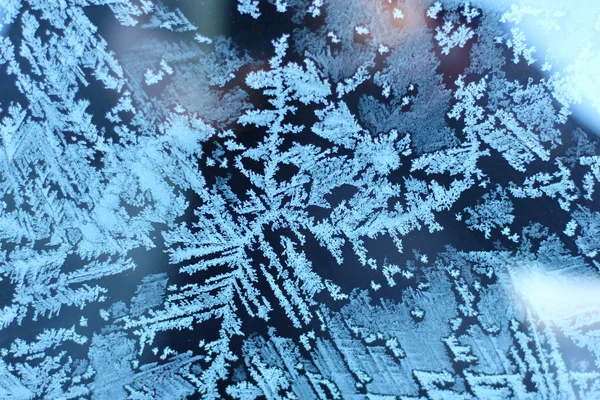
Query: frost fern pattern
{"points": [[299, 199]]}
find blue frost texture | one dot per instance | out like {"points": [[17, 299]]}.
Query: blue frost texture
{"points": [[299, 199]]}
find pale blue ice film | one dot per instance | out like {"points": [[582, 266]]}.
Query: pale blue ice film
{"points": [[299, 199]]}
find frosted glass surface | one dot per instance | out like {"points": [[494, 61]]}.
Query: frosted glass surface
{"points": [[299, 199]]}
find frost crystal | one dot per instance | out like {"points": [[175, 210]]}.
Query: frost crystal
{"points": [[336, 200]]}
